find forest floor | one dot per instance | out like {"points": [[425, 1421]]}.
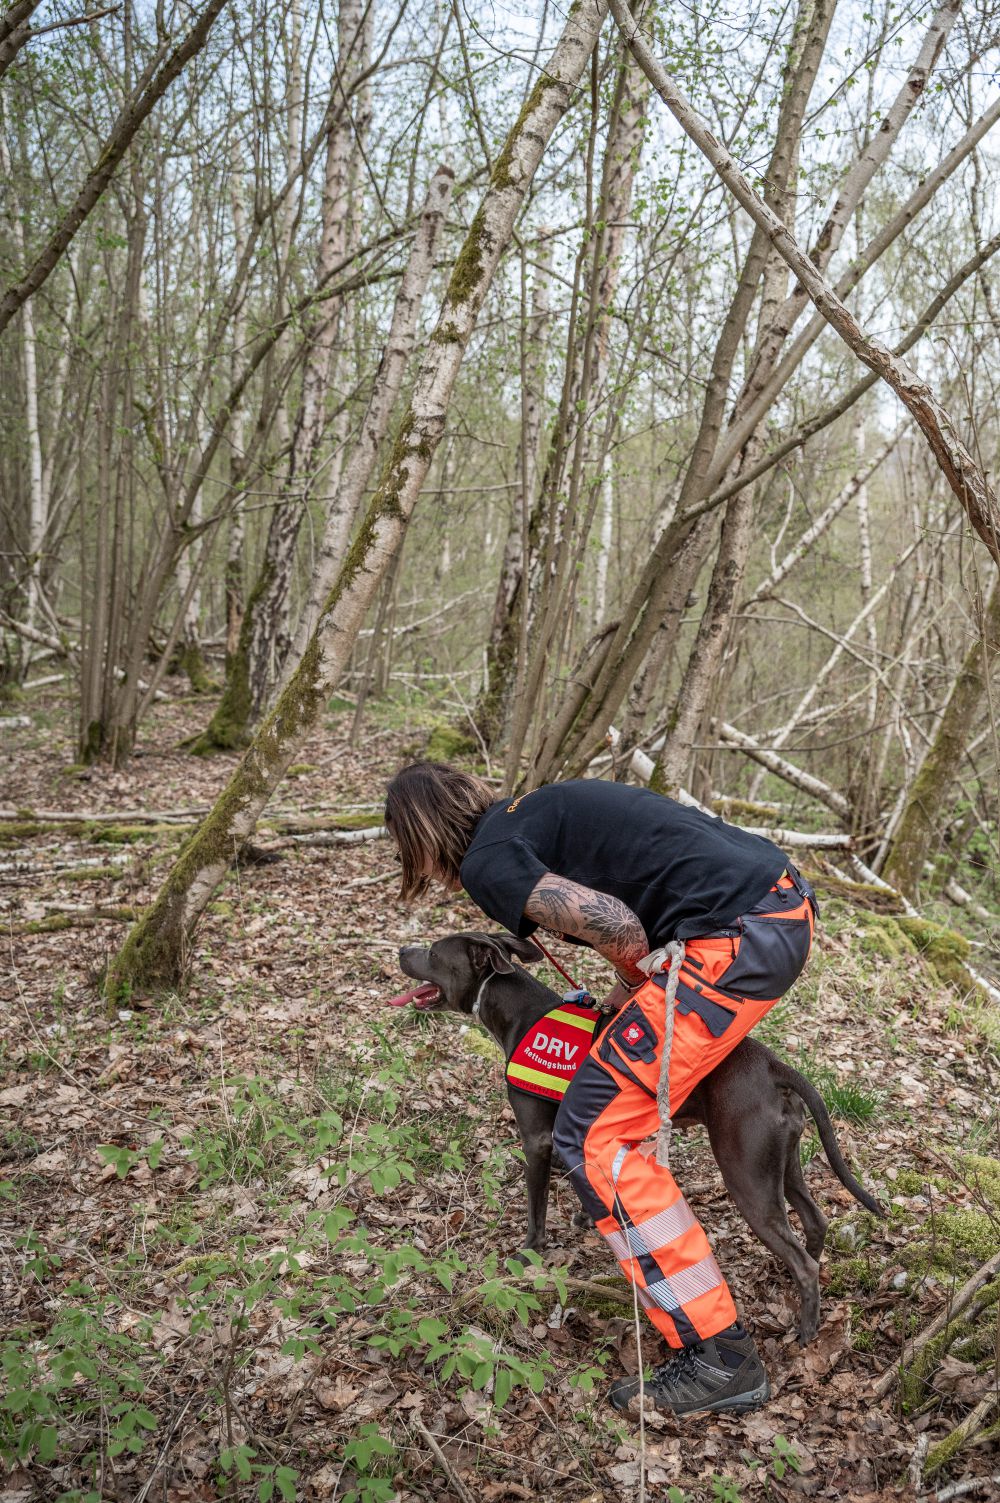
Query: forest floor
{"points": [[256, 1236]]}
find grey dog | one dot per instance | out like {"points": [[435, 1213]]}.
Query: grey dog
{"points": [[752, 1104]]}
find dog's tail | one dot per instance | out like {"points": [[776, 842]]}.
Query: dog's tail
{"points": [[807, 1091]]}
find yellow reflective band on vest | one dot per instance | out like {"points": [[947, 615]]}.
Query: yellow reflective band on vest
{"points": [[537, 1077], [553, 1048]]}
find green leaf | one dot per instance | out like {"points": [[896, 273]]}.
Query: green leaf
{"points": [[48, 1441]]}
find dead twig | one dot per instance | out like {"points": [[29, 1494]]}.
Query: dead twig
{"points": [[956, 1439], [960, 1489], [442, 1460]]}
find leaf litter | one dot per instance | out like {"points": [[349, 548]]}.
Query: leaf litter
{"points": [[154, 1156]]}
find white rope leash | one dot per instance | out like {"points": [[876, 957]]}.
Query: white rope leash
{"points": [[652, 965]]}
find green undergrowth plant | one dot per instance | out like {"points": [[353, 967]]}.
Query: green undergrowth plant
{"points": [[76, 1392]]}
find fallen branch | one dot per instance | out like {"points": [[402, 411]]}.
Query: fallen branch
{"points": [[946, 1449], [952, 1310], [339, 837], [821, 840], [960, 1489], [446, 1466], [804, 781], [976, 977], [75, 918], [965, 899]]}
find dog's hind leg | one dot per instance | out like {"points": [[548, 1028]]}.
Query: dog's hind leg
{"points": [[814, 1223], [754, 1176]]}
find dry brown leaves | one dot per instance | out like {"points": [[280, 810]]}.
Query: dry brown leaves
{"points": [[287, 980]]}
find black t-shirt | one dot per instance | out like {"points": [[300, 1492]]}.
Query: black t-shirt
{"points": [[680, 871]]}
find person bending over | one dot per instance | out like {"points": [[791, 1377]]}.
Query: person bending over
{"points": [[625, 871]]}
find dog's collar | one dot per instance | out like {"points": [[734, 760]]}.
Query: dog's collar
{"points": [[479, 995]]}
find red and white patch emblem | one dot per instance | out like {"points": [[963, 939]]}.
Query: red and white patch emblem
{"points": [[633, 1033]]}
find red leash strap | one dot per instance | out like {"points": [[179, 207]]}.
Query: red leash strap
{"points": [[553, 961]]}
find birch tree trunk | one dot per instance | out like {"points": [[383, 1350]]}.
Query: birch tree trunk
{"points": [[268, 639], [375, 424], [777, 313], [706, 482], [919, 825], [154, 952], [501, 651]]}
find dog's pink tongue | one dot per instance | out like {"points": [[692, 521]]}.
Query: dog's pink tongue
{"points": [[419, 994]]}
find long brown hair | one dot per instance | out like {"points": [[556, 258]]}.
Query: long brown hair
{"points": [[431, 810]]}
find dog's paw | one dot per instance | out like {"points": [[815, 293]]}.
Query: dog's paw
{"points": [[580, 1218]]}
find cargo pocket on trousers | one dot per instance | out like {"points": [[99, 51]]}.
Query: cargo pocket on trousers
{"points": [[771, 955], [629, 1045], [715, 1017]]}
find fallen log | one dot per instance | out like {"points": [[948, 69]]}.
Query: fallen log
{"points": [[951, 1311]]}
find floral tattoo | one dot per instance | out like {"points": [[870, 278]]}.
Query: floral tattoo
{"points": [[602, 921]]}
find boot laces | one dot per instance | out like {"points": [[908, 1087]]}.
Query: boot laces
{"points": [[682, 1365]]}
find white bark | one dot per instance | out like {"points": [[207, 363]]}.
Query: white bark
{"points": [[38, 510], [375, 424], [815, 787], [604, 544], [877, 150], [821, 524]]}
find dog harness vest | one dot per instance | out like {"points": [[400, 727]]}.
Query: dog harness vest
{"points": [[548, 1056]]}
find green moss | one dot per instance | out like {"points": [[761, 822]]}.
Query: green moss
{"points": [[101, 834], [909, 1182], [970, 1340], [853, 1275], [300, 769], [482, 1045], [958, 1240], [983, 1175], [467, 274], [862, 895], [501, 172], [14, 831], [191, 660], [944, 950], [447, 334], [89, 873], [731, 808], [91, 743], [445, 742], [939, 1456], [884, 937], [613, 1304]]}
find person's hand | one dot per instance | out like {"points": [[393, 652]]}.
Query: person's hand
{"points": [[617, 997]]}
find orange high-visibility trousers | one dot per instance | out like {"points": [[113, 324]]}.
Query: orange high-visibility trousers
{"points": [[727, 982]]}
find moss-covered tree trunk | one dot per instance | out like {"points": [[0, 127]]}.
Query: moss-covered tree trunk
{"points": [[919, 823], [154, 953]]}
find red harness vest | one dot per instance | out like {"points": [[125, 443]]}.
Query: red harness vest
{"points": [[552, 1050]]}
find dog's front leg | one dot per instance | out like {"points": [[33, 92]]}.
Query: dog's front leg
{"points": [[534, 1117]]}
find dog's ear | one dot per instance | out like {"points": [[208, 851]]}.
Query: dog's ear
{"points": [[490, 951], [525, 949]]}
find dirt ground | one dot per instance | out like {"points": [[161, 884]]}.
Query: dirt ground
{"points": [[256, 1237]]}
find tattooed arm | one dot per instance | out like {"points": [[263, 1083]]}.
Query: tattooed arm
{"points": [[602, 921]]}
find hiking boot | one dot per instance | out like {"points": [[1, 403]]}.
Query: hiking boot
{"points": [[723, 1372]]}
